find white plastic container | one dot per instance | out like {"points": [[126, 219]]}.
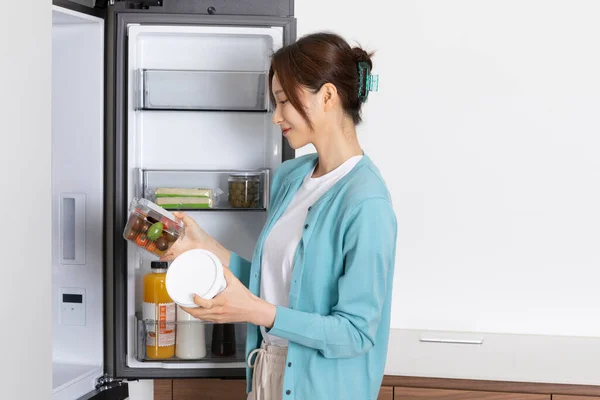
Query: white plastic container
{"points": [[195, 271], [190, 343]]}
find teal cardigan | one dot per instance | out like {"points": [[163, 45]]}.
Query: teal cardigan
{"points": [[338, 318]]}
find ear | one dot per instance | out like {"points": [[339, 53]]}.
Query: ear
{"points": [[329, 96]]}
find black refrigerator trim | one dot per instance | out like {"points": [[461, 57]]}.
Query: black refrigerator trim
{"points": [[111, 391], [215, 8], [115, 201], [99, 12]]}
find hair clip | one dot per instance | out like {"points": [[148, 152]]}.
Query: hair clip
{"points": [[366, 81]]}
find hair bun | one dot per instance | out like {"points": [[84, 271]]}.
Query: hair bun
{"points": [[360, 55]]}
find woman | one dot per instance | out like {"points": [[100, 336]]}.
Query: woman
{"points": [[317, 293]]}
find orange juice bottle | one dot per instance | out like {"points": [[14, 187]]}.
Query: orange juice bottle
{"points": [[158, 306]]}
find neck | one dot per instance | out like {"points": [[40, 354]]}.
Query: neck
{"points": [[335, 147]]}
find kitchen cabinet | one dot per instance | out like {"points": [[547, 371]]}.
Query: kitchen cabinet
{"points": [[221, 389], [163, 389], [386, 393], [393, 388], [569, 397], [401, 393], [208, 389]]}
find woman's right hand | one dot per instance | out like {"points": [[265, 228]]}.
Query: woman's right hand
{"points": [[195, 238]]}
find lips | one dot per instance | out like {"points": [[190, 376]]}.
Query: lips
{"points": [[285, 131]]}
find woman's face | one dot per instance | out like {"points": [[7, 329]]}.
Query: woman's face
{"points": [[295, 128]]}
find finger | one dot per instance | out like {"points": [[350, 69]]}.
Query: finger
{"points": [[179, 214], [181, 217], [184, 217], [188, 221], [206, 304]]}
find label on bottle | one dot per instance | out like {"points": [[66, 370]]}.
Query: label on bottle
{"points": [[163, 328]]}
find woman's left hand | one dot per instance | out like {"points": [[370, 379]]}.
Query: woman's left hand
{"points": [[234, 304]]}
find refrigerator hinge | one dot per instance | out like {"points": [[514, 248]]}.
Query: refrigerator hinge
{"points": [[106, 380], [138, 4]]}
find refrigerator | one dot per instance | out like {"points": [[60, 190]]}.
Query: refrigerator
{"points": [[149, 94]]}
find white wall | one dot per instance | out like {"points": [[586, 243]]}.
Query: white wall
{"points": [[486, 131], [25, 48]]}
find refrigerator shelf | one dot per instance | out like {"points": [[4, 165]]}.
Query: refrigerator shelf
{"points": [[188, 90], [193, 342], [206, 190]]}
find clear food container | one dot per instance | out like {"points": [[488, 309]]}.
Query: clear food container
{"points": [[151, 227], [245, 190]]}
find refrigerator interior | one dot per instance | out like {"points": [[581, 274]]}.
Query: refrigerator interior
{"points": [[201, 112], [77, 202]]}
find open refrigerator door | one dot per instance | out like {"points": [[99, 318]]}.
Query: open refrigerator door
{"points": [[77, 208]]}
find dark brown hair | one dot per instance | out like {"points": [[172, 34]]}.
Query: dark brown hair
{"points": [[315, 60]]}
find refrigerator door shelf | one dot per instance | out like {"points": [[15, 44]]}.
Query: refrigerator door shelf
{"points": [[202, 90], [232, 190], [146, 331]]}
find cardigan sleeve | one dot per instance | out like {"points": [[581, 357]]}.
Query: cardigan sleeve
{"points": [[369, 248], [240, 267]]}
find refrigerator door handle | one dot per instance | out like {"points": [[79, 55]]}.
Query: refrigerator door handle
{"points": [[72, 228]]}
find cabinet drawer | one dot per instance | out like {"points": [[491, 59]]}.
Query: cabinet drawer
{"points": [[401, 393], [386, 393], [163, 389], [209, 389], [569, 397]]}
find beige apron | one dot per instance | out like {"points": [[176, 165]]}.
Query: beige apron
{"points": [[269, 367]]}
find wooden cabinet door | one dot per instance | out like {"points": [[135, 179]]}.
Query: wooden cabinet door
{"points": [[569, 397], [386, 393], [401, 393], [163, 389], [209, 389]]}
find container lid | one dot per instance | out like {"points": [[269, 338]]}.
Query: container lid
{"points": [[195, 271], [155, 213], [159, 264]]}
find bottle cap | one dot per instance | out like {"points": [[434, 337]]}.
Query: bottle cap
{"points": [[159, 264]]}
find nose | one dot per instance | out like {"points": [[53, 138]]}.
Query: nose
{"points": [[277, 116]]}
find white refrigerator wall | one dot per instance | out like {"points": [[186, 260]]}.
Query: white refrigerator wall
{"points": [[77, 202], [199, 139]]}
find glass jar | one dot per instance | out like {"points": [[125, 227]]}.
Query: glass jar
{"points": [[244, 190]]}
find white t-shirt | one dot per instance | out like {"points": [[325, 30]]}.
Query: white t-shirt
{"points": [[281, 243]]}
